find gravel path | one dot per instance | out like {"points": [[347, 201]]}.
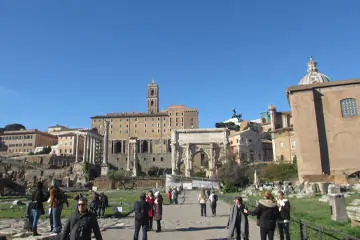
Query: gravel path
{"points": [[183, 221]]}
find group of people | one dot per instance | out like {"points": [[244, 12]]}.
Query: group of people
{"points": [[269, 212], [210, 196], [173, 194], [147, 209], [98, 204]]}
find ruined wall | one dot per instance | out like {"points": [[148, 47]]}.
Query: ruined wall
{"points": [[129, 183]]}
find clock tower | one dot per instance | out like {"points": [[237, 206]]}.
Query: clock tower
{"points": [[153, 97]]}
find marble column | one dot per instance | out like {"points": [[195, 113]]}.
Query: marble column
{"points": [[173, 158], [106, 142], [84, 152], [187, 161], [77, 148], [128, 157], [91, 152], [135, 160], [94, 151]]}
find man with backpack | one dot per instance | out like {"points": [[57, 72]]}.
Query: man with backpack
{"points": [[103, 204], [57, 200], [141, 208], [213, 201]]}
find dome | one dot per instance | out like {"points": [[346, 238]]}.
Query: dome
{"points": [[313, 75]]}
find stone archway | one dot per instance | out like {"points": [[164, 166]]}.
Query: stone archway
{"points": [[187, 143]]}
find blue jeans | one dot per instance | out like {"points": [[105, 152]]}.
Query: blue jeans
{"points": [[101, 211], [56, 214], [137, 230], [36, 215]]}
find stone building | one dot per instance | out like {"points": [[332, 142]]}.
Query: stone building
{"points": [[82, 143], [326, 118], [25, 141], [144, 136], [282, 135], [246, 146]]}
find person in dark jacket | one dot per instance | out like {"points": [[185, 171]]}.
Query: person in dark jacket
{"points": [[238, 224], [80, 224], [267, 212], [141, 209], [284, 216], [158, 210], [37, 208]]}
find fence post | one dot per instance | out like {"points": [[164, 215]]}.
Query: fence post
{"points": [[305, 232], [301, 231]]}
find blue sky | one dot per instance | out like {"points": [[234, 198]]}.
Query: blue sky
{"points": [[65, 61]]}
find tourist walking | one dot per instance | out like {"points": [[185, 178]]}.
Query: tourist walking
{"points": [[202, 200], [95, 203], [169, 196], [267, 212], [150, 201], [37, 206], [81, 223], [174, 196], [57, 200], [284, 216], [238, 225], [141, 208], [103, 204], [213, 203], [158, 210]]}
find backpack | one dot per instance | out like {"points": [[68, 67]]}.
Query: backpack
{"points": [[60, 197]]}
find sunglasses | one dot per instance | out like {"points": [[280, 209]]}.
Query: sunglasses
{"points": [[82, 204]]}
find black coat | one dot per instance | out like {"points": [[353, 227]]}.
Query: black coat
{"points": [[267, 212], [141, 208], [284, 210], [79, 227]]}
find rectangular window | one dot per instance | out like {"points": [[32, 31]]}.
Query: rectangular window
{"points": [[293, 144], [281, 145]]}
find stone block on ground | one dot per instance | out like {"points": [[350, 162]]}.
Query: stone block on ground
{"points": [[338, 207], [323, 187]]}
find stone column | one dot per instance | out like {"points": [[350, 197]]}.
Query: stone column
{"points": [[84, 152], [149, 146], [128, 157], [173, 158], [135, 161], [77, 148], [94, 150], [187, 161], [106, 142], [91, 147]]}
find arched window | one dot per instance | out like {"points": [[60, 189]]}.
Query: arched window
{"points": [[349, 107], [152, 103], [152, 92]]}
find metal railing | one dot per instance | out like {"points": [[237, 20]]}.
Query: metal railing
{"points": [[300, 229], [307, 231]]}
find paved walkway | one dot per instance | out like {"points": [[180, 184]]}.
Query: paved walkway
{"points": [[183, 221]]}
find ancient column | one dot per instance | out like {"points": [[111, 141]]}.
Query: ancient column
{"points": [[173, 158], [128, 157], [91, 147], [187, 161], [106, 142], [94, 150], [77, 148], [135, 161], [84, 152]]}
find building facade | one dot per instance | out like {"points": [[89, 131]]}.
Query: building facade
{"points": [[282, 135], [25, 141], [326, 119], [150, 132], [246, 146]]}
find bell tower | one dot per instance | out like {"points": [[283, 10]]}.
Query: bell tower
{"points": [[153, 97]]}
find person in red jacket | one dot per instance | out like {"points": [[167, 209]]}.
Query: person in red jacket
{"points": [[169, 196], [150, 201]]}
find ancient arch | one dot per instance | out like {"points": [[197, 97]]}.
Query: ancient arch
{"points": [[187, 143]]}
